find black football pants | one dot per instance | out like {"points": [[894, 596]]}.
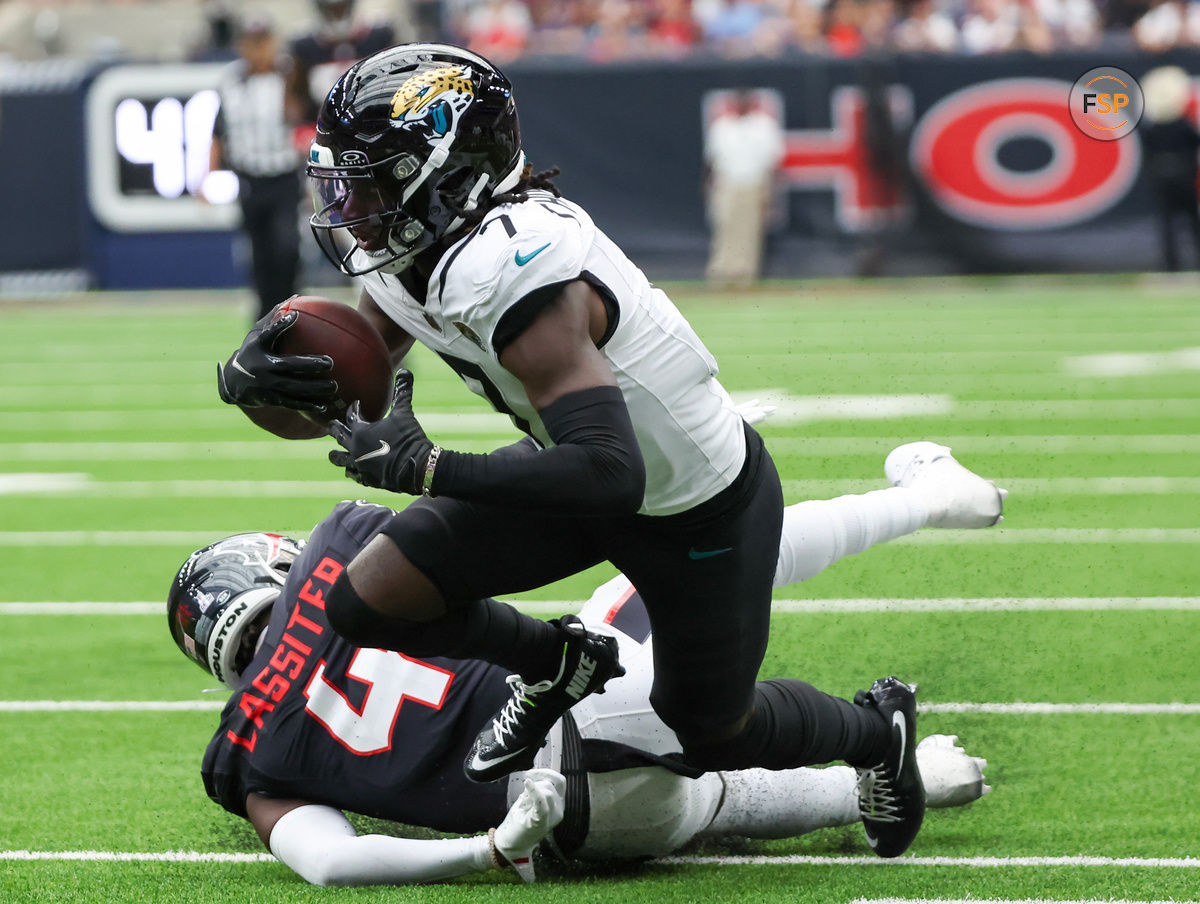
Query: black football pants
{"points": [[705, 576], [270, 206]]}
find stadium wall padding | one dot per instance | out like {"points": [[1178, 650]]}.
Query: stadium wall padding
{"points": [[896, 165]]}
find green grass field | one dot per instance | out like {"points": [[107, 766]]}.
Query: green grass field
{"points": [[1081, 396]]}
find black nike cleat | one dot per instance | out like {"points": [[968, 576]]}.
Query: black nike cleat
{"points": [[891, 796], [512, 739]]}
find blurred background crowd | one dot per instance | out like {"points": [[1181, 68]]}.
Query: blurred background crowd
{"points": [[615, 30]]}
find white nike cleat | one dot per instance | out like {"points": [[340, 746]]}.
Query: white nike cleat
{"points": [[954, 496], [952, 777]]}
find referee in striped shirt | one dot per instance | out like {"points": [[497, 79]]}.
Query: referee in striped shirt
{"points": [[252, 137]]}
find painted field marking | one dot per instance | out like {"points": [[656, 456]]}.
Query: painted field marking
{"points": [[132, 856], [973, 862], [790, 409], [991, 709], [1105, 535], [1112, 444], [141, 368], [1132, 364], [111, 706], [811, 606], [796, 859], [1058, 535], [801, 446], [50, 483], [488, 423], [135, 538], [1064, 709], [1022, 486], [41, 483], [1003, 901]]}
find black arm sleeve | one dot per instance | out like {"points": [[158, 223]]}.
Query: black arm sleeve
{"points": [[594, 468]]}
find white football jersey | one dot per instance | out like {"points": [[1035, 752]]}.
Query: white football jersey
{"points": [[690, 435]]}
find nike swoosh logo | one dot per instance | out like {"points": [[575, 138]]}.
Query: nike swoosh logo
{"points": [[480, 765], [523, 259], [237, 365], [899, 722], [383, 449], [696, 554]]}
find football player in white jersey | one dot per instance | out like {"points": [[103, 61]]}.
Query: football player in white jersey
{"points": [[316, 726], [636, 454]]}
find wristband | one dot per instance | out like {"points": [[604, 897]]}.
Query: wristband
{"points": [[430, 464], [497, 862]]}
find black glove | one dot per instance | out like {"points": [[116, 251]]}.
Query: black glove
{"points": [[391, 453], [254, 376]]}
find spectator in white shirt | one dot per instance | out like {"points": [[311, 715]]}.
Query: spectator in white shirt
{"points": [[743, 149]]}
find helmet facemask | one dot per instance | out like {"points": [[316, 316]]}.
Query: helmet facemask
{"points": [[379, 210], [221, 599]]}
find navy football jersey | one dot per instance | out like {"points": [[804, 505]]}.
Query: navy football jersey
{"points": [[321, 59], [365, 730]]}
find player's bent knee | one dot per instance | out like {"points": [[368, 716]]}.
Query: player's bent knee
{"points": [[358, 622], [350, 616], [740, 750]]}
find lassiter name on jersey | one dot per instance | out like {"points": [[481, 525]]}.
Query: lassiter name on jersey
{"points": [[367, 730], [489, 285]]}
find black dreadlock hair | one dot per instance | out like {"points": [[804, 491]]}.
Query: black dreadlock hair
{"points": [[529, 181]]}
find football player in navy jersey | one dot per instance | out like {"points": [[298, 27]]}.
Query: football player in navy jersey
{"points": [[316, 726], [637, 454], [320, 56]]}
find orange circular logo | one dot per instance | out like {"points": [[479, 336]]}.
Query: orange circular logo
{"points": [[1106, 103]]}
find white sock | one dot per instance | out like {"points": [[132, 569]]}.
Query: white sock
{"points": [[819, 532], [760, 803]]}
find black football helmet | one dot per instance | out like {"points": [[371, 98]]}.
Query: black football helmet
{"points": [[221, 598], [408, 141]]}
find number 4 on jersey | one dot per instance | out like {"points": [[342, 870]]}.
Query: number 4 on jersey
{"points": [[391, 679]]}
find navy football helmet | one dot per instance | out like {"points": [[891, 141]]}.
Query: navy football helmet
{"points": [[409, 141], [220, 600]]}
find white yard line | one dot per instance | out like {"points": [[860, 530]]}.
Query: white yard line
{"points": [[811, 606], [1021, 486], [111, 706], [135, 856], [267, 449], [991, 709], [1058, 535], [1103, 535], [790, 409], [978, 862], [1064, 709], [1004, 901], [1133, 364], [782, 860], [50, 483]]}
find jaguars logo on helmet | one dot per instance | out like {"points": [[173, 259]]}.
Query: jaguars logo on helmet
{"points": [[436, 127], [426, 94]]}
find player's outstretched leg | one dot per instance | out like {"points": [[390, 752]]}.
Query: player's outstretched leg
{"points": [[891, 796], [512, 739], [951, 776], [784, 803], [954, 496]]}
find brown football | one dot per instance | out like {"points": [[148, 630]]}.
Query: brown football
{"points": [[362, 366]]}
